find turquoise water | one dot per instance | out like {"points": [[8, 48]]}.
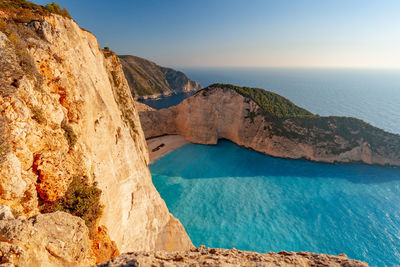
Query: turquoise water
{"points": [[227, 196]]}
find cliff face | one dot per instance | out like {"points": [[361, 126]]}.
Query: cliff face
{"points": [[220, 111], [67, 112], [147, 79]]}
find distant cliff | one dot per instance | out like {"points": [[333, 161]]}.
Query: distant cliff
{"points": [[147, 79], [269, 123]]}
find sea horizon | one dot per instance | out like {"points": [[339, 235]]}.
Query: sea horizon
{"points": [[367, 94], [182, 68]]}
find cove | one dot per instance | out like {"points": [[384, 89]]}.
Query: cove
{"points": [[228, 196]]}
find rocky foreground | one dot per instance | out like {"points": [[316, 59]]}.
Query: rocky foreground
{"points": [[229, 257]]}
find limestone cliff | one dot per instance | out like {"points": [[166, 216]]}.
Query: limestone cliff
{"points": [[147, 79], [66, 112], [268, 123], [54, 239]]}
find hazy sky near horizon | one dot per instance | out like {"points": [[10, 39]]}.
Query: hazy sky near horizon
{"points": [[252, 33]]}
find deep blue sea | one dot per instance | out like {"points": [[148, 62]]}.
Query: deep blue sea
{"points": [[227, 196]]}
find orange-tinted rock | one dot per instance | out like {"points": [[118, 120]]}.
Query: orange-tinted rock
{"points": [[103, 247], [67, 117]]}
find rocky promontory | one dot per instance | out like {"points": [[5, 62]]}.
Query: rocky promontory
{"points": [[146, 79], [271, 124]]}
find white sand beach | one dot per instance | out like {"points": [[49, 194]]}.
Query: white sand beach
{"points": [[160, 146]]}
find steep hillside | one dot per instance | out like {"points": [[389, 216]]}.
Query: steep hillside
{"points": [[147, 79], [71, 139], [271, 124]]}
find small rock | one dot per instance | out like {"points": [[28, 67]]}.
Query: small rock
{"points": [[5, 213]]}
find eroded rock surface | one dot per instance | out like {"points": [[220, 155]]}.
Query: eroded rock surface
{"points": [[66, 111], [54, 239], [230, 258]]}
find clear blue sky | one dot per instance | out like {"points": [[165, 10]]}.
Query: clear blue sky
{"points": [[306, 33]]}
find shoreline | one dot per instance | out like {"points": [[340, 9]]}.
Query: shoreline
{"points": [[163, 145]]}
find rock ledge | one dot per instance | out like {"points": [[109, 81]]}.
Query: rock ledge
{"points": [[229, 257]]}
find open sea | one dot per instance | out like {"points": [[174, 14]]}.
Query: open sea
{"points": [[227, 196]]}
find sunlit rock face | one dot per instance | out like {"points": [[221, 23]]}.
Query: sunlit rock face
{"points": [[66, 111], [53, 239], [231, 258], [219, 112]]}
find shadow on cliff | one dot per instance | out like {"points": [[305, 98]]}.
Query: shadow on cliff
{"points": [[167, 101], [195, 161]]}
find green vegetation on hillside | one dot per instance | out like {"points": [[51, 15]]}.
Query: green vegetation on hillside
{"points": [[26, 11], [271, 103], [335, 134], [121, 95], [146, 78], [332, 131], [69, 133], [81, 199], [55, 8]]}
